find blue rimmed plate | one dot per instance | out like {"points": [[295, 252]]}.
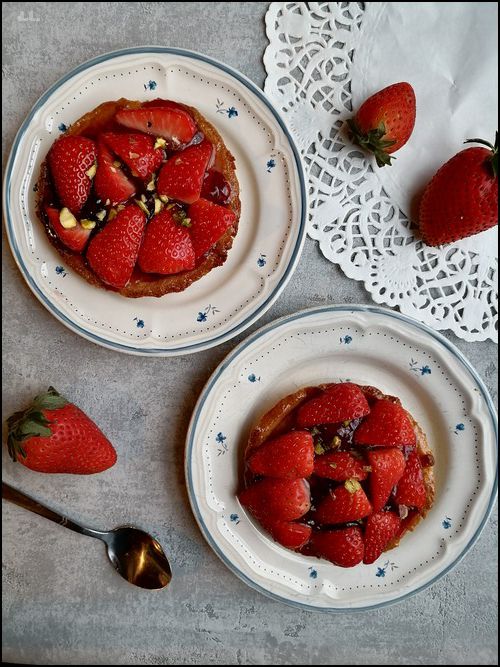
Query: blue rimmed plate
{"points": [[369, 346], [272, 225]]}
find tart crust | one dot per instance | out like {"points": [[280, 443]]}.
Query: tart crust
{"points": [[279, 419], [152, 285]]}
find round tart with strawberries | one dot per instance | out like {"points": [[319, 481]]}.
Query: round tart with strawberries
{"points": [[339, 471], [140, 198]]}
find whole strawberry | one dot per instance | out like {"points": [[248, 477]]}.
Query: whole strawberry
{"points": [[53, 435], [462, 197], [385, 121]]}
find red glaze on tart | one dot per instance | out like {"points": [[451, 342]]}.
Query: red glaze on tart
{"points": [[140, 198], [338, 471]]}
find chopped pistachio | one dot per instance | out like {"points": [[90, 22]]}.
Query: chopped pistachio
{"points": [[120, 207], [133, 156], [319, 449], [107, 202], [143, 198], [367, 468], [92, 171], [67, 219], [112, 214], [142, 206], [151, 185], [88, 224], [336, 442], [347, 422], [352, 485], [160, 142], [170, 206], [164, 199], [158, 205], [186, 222], [332, 465], [117, 164], [100, 215]]}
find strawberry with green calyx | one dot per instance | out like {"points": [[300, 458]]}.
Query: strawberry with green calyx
{"points": [[462, 197], [53, 435], [385, 121]]}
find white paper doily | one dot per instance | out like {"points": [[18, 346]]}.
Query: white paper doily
{"points": [[320, 62]]}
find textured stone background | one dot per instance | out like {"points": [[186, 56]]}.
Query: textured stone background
{"points": [[62, 602]]}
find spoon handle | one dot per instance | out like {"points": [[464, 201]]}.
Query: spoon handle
{"points": [[19, 498]]}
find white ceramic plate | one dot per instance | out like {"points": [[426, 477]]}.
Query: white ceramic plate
{"points": [[368, 345], [272, 225]]}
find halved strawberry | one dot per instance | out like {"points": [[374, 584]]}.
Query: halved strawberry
{"points": [[387, 425], [137, 151], [75, 238], [110, 183], [173, 124], [388, 466], [411, 490], [345, 503], [70, 158], [341, 402], [288, 456], [159, 103], [340, 466], [167, 246], [380, 528], [288, 533], [113, 251], [277, 499], [209, 222], [343, 547], [181, 177]]}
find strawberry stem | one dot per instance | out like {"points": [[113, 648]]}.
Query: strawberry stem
{"points": [[373, 141], [493, 158], [32, 422]]}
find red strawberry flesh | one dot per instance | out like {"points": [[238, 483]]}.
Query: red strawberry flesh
{"points": [[173, 124], [209, 222], [74, 238], [70, 158], [380, 528], [342, 504], [289, 533], [137, 151], [181, 177], [387, 468], [341, 402], [288, 456], [387, 425], [343, 547], [411, 490], [277, 499], [112, 252], [167, 247], [340, 466], [110, 183]]}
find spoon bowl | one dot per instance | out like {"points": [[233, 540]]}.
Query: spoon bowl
{"points": [[138, 557]]}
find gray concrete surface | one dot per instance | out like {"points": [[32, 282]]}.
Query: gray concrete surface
{"points": [[62, 602]]}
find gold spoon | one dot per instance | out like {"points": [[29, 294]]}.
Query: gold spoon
{"points": [[137, 556]]}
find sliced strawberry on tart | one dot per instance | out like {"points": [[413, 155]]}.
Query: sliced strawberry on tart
{"points": [[339, 471], [161, 158]]}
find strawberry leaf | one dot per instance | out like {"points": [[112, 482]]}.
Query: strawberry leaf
{"points": [[50, 400]]}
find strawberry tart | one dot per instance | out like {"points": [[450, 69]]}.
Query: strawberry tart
{"points": [[140, 198], [338, 471]]}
